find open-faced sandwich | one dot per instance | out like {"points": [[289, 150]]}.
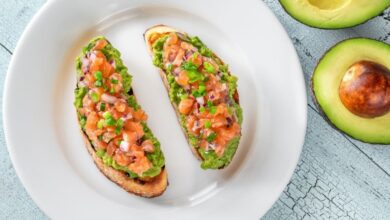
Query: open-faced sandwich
{"points": [[114, 125], [203, 93]]}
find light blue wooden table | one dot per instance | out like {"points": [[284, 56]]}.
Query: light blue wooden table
{"points": [[336, 178]]}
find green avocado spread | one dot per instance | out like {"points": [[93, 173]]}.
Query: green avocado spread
{"points": [[156, 157]]}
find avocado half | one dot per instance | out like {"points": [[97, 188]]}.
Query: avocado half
{"points": [[334, 14], [326, 82]]}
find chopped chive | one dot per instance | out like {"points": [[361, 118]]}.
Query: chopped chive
{"points": [[211, 137], [110, 121], [119, 125], [98, 75], [202, 109], [102, 106], [94, 97], [210, 104], [98, 83], [201, 91], [114, 81], [107, 114], [117, 131], [112, 90], [100, 137], [209, 67], [100, 124], [207, 124], [188, 65], [183, 96], [213, 109]]}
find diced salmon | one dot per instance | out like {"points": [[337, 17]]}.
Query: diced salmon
{"points": [[111, 148], [89, 80], [230, 132], [101, 145], [179, 57], [172, 39], [140, 165], [100, 44], [120, 106], [130, 137], [88, 103], [211, 83], [218, 121], [135, 127], [182, 79], [222, 110], [185, 106], [121, 158], [196, 59], [140, 115], [91, 123], [107, 69], [147, 146]]}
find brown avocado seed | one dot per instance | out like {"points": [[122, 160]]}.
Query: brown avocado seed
{"points": [[365, 89]]}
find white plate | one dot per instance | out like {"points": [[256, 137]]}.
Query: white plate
{"points": [[43, 137]]}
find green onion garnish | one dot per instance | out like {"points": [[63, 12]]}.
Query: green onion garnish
{"points": [[208, 67], [119, 125], [211, 137], [207, 124], [102, 106], [94, 97], [213, 109], [98, 83], [100, 124], [98, 75], [107, 114]]}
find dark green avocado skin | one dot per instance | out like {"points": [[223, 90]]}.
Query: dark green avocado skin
{"points": [[318, 107], [324, 28]]}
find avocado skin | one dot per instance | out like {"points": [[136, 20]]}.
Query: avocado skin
{"points": [[320, 109], [332, 28]]}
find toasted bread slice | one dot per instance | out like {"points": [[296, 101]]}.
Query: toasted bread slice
{"points": [[151, 35], [150, 185]]}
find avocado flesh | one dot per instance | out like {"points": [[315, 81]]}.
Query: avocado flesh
{"points": [[333, 14], [326, 81]]}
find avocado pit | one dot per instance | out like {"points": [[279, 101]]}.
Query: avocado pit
{"points": [[365, 89]]}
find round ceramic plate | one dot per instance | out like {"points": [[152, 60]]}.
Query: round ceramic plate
{"points": [[43, 136]]}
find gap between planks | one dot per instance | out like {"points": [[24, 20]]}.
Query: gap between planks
{"points": [[5, 48]]}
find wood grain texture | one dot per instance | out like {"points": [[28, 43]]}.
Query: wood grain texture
{"points": [[336, 178]]}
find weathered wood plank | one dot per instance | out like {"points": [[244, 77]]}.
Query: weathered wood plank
{"points": [[15, 203], [14, 16], [333, 180]]}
